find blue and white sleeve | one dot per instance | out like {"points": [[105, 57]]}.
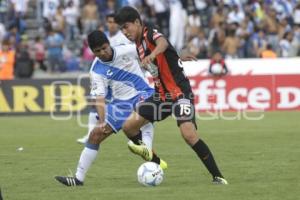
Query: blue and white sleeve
{"points": [[98, 85]]}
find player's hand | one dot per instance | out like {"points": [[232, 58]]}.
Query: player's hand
{"points": [[148, 59], [188, 57], [102, 126]]}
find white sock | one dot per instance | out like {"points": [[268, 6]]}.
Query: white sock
{"points": [[87, 157], [147, 134], [92, 121]]}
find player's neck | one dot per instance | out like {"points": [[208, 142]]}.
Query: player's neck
{"points": [[140, 35], [112, 55], [111, 34]]}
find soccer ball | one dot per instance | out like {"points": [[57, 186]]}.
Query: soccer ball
{"points": [[150, 174]]}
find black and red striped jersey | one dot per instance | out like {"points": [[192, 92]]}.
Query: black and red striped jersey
{"points": [[172, 80]]}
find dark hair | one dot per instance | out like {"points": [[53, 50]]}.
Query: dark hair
{"points": [[97, 39], [269, 46], [111, 15], [127, 14]]}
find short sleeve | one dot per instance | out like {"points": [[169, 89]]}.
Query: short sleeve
{"points": [[127, 49], [98, 85], [153, 34]]}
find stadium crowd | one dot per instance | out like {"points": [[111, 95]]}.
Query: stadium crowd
{"points": [[236, 28]]}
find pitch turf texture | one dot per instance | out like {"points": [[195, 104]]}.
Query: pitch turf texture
{"points": [[260, 159]]}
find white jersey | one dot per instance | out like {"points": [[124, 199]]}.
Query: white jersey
{"points": [[117, 39], [49, 8], [122, 75]]}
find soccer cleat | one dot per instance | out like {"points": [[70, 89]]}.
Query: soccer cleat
{"points": [[141, 150], [83, 140], [69, 181], [163, 164], [219, 181]]}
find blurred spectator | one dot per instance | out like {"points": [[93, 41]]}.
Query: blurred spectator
{"points": [[217, 65], [177, 30], [87, 56], [197, 27], [132, 3], [113, 33], [160, 9], [110, 7], [54, 45], [243, 35], [90, 17], [235, 15], [71, 16], [296, 15], [7, 60], [216, 37], [193, 25], [2, 32], [20, 9], [198, 46], [218, 17], [49, 8], [271, 27], [20, 6], [288, 46], [202, 7], [268, 52], [39, 53], [58, 22], [283, 27], [258, 11], [24, 65], [3, 11], [259, 42], [13, 36], [231, 45], [296, 31], [75, 2]]}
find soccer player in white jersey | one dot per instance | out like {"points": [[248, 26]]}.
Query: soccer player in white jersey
{"points": [[115, 37], [113, 33], [117, 68]]}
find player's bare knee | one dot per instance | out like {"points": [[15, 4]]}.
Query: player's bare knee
{"points": [[95, 136], [126, 128]]}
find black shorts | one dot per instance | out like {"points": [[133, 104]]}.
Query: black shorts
{"points": [[153, 109]]}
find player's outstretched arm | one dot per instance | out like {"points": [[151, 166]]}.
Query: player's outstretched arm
{"points": [[161, 45]]}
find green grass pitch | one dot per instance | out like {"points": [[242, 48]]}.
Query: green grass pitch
{"points": [[260, 159]]}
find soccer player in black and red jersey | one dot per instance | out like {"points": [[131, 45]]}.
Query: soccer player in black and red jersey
{"points": [[173, 91]]}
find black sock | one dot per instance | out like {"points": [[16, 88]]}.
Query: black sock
{"points": [[137, 138], [207, 158], [155, 159]]}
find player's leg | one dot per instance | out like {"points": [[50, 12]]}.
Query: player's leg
{"points": [[185, 114], [87, 157], [189, 134], [91, 150], [92, 121], [146, 111], [147, 134], [131, 128], [147, 137]]}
